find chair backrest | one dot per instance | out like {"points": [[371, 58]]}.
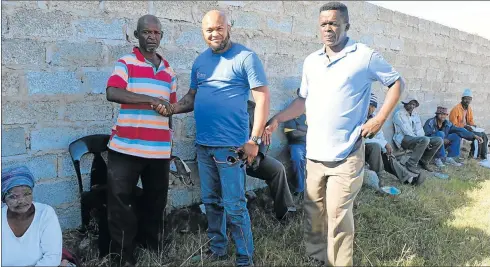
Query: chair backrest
{"points": [[95, 144]]}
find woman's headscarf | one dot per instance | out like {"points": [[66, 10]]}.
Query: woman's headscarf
{"points": [[16, 176]]}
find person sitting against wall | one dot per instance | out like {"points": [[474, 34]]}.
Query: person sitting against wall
{"points": [[273, 173], [462, 116], [441, 127], [295, 131], [379, 154], [31, 233], [409, 134]]}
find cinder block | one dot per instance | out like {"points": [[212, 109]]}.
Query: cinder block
{"points": [[56, 192], [283, 24], [305, 27], [385, 15], [185, 149], [13, 141], [191, 37], [265, 6], [100, 29], [181, 197], [21, 112], [79, 54], [69, 216], [97, 80], [37, 23], [190, 127], [83, 8], [247, 20], [5, 24], [367, 40], [66, 169], [284, 65], [369, 11], [180, 58], [174, 10], [50, 83], [41, 167], [381, 41], [183, 83], [231, 3], [264, 45], [22, 52], [116, 52], [55, 137], [127, 9], [90, 112], [11, 83], [396, 44]]}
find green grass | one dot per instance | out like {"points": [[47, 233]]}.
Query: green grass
{"points": [[442, 222]]}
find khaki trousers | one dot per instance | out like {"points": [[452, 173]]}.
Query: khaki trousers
{"points": [[331, 188]]}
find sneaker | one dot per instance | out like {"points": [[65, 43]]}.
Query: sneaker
{"points": [[451, 161], [438, 163], [208, 255]]}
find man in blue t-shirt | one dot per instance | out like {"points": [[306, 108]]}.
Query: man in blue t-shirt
{"points": [[295, 131], [222, 78]]}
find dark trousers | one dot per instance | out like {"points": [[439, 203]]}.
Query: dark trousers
{"points": [[274, 174], [123, 173], [379, 161], [482, 148], [423, 148]]}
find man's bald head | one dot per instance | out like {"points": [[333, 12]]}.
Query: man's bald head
{"points": [[149, 33], [215, 16], [216, 31], [142, 21]]}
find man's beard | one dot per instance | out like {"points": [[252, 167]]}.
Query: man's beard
{"points": [[223, 45]]}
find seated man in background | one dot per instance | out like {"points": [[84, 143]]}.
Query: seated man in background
{"points": [[295, 131], [462, 116], [410, 135], [379, 154], [31, 233], [441, 127], [273, 173]]}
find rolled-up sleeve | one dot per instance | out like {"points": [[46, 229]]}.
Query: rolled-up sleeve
{"points": [[382, 71]]}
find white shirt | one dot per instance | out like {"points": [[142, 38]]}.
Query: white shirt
{"points": [[41, 244], [406, 124], [337, 97]]}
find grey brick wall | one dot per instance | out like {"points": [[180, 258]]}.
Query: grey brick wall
{"points": [[57, 56]]}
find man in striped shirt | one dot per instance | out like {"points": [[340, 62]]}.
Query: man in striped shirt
{"points": [[140, 143]]}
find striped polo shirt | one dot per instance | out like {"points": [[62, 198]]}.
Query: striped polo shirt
{"points": [[140, 131]]}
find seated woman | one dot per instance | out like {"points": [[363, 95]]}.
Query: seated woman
{"points": [[31, 233]]}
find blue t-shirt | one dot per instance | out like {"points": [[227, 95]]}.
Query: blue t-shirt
{"points": [[223, 83]]}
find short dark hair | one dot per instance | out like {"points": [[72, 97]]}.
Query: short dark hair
{"points": [[336, 6]]}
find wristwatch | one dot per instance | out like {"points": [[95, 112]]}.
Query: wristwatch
{"points": [[257, 140]]}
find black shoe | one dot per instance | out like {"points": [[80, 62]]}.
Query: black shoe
{"points": [[209, 255], [418, 180], [412, 168], [289, 212], [426, 167]]}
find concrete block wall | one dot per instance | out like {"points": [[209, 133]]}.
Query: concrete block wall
{"points": [[57, 56]]}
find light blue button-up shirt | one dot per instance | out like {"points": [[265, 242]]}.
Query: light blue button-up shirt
{"points": [[337, 97]]}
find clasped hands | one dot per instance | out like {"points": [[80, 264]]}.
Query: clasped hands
{"points": [[163, 107]]}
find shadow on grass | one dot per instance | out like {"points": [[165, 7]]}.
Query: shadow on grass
{"points": [[413, 229]]}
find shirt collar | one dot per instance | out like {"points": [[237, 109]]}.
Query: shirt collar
{"points": [[140, 56], [350, 46]]}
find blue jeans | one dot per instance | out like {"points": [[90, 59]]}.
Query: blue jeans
{"points": [[298, 158], [223, 194], [453, 147]]}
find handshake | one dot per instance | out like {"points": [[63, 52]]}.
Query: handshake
{"points": [[163, 107]]}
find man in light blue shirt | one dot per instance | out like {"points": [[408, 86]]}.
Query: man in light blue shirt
{"points": [[335, 91], [222, 78]]}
